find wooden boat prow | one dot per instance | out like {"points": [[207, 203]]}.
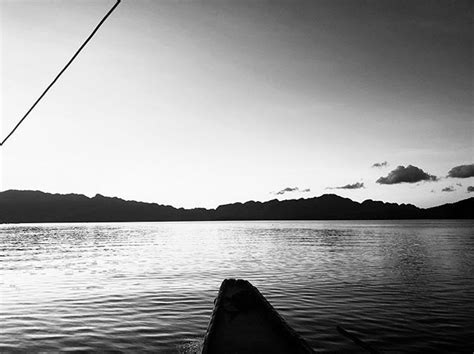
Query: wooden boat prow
{"points": [[243, 321]]}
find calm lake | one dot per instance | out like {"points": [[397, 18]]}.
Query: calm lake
{"points": [[400, 285]]}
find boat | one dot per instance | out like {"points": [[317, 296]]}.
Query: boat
{"points": [[243, 321]]}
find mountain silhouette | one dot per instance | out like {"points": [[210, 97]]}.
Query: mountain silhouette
{"points": [[35, 206]]}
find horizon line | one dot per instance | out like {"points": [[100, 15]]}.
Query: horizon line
{"points": [[230, 203]]}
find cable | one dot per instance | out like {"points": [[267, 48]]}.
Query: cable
{"points": [[62, 71]]}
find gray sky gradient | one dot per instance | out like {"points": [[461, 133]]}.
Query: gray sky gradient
{"points": [[198, 103]]}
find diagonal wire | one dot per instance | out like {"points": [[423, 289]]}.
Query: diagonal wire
{"points": [[62, 71]]}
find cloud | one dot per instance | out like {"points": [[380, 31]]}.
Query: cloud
{"points": [[380, 164], [356, 185], [409, 174], [292, 189], [287, 190], [448, 189], [470, 189], [462, 171]]}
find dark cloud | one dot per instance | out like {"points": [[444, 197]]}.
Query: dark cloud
{"points": [[470, 189], [356, 185], [287, 190], [380, 164], [462, 171], [409, 174], [448, 189], [459, 184], [292, 189]]}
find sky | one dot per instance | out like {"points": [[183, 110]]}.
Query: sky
{"points": [[202, 103]]}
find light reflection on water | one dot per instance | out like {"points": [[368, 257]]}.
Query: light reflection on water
{"points": [[401, 285]]}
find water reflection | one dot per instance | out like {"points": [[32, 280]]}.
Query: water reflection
{"points": [[404, 286]]}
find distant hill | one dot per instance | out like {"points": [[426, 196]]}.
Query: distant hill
{"points": [[35, 206]]}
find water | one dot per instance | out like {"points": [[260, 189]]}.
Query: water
{"points": [[400, 285]]}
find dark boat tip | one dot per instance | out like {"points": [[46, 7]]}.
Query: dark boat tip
{"points": [[239, 299]]}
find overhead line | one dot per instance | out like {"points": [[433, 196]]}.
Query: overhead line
{"points": [[62, 71]]}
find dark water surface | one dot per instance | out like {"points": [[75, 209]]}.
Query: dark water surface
{"points": [[404, 286]]}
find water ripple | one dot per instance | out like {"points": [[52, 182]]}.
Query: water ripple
{"points": [[149, 287]]}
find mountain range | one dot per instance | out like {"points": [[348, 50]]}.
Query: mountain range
{"points": [[35, 206]]}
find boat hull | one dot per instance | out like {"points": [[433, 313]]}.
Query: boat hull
{"points": [[243, 321]]}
